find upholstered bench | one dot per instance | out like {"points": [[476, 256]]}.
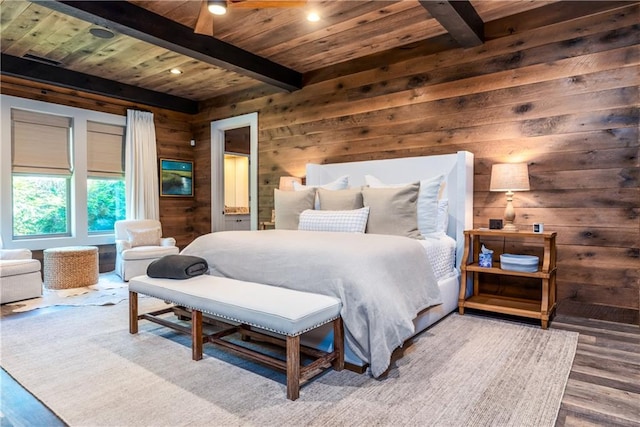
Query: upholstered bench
{"points": [[247, 305]]}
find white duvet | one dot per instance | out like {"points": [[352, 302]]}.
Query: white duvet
{"points": [[382, 281]]}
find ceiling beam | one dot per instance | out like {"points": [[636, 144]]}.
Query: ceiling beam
{"points": [[134, 21], [460, 20], [44, 73]]}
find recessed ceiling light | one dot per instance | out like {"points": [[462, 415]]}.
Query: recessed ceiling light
{"points": [[175, 71], [101, 33], [313, 17], [217, 7]]}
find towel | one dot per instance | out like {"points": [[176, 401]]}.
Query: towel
{"points": [[177, 267]]}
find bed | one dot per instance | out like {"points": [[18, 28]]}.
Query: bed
{"points": [[392, 287]]}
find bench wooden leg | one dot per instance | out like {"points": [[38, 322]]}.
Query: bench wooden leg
{"points": [[133, 312], [196, 334], [338, 344], [293, 367]]}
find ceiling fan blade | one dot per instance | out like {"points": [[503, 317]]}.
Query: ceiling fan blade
{"points": [[259, 4], [204, 24]]}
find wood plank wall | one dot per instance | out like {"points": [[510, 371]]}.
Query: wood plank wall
{"points": [[562, 98], [173, 133]]}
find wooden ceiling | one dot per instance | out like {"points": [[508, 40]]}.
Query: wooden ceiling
{"points": [[273, 47]]}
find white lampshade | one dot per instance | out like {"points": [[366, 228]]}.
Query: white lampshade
{"points": [[509, 177], [286, 182]]}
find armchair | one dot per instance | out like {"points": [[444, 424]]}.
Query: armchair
{"points": [[20, 276], [138, 243]]}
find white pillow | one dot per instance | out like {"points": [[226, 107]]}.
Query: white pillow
{"points": [[144, 236], [352, 221], [443, 216], [427, 206], [341, 183]]}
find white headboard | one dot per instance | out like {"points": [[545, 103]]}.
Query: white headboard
{"points": [[458, 168]]}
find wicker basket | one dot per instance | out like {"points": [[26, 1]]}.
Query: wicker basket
{"points": [[70, 267]]}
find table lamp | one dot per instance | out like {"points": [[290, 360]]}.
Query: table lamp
{"points": [[286, 182], [509, 177]]}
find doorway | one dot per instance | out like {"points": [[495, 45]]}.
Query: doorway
{"points": [[229, 130]]}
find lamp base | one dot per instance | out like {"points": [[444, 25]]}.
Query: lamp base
{"points": [[509, 227], [509, 214]]}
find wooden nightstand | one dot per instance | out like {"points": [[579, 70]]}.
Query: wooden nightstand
{"points": [[546, 274], [267, 225]]}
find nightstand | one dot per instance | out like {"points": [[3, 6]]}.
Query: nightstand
{"points": [[267, 225], [546, 275]]}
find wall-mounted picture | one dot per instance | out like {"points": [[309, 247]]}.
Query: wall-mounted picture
{"points": [[176, 178]]}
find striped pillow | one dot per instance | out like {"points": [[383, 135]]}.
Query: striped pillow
{"points": [[352, 221]]}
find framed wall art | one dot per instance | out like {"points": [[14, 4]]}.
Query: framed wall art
{"points": [[176, 178]]}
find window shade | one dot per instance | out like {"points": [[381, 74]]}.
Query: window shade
{"points": [[105, 149], [40, 143]]}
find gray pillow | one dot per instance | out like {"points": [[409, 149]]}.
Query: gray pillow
{"points": [[340, 200], [289, 204], [393, 210]]}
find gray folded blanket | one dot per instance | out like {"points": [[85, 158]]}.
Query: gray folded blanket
{"points": [[177, 267]]}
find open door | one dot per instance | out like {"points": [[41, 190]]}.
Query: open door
{"points": [[218, 131]]}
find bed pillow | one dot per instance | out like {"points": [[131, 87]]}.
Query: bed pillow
{"points": [[393, 210], [340, 200], [144, 236], [443, 216], [289, 204], [341, 183], [427, 205], [346, 221]]}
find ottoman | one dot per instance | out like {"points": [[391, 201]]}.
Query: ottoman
{"points": [[70, 267]]}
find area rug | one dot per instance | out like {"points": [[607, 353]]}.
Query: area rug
{"points": [[465, 370], [109, 290]]}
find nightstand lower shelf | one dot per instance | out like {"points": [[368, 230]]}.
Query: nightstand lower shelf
{"points": [[506, 305]]}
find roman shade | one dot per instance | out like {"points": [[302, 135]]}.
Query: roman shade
{"points": [[105, 150], [41, 143]]}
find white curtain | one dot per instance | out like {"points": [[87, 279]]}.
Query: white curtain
{"points": [[141, 167]]}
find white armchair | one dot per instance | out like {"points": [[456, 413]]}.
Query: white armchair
{"points": [[138, 243], [20, 276]]}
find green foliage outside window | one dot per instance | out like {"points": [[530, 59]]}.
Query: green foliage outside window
{"points": [[105, 203], [40, 205]]}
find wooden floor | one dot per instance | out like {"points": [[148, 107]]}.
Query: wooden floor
{"points": [[603, 387], [604, 384]]}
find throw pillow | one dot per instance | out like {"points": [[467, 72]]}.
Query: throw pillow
{"points": [[427, 205], [393, 210], [144, 236], [339, 184], [347, 221], [340, 200], [289, 204]]}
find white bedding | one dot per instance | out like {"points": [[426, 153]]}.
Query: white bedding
{"points": [[383, 281], [441, 253]]}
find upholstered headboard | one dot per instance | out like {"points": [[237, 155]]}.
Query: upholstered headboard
{"points": [[457, 167]]}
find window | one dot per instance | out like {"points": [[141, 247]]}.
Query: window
{"points": [[61, 174], [41, 173], [105, 176]]}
